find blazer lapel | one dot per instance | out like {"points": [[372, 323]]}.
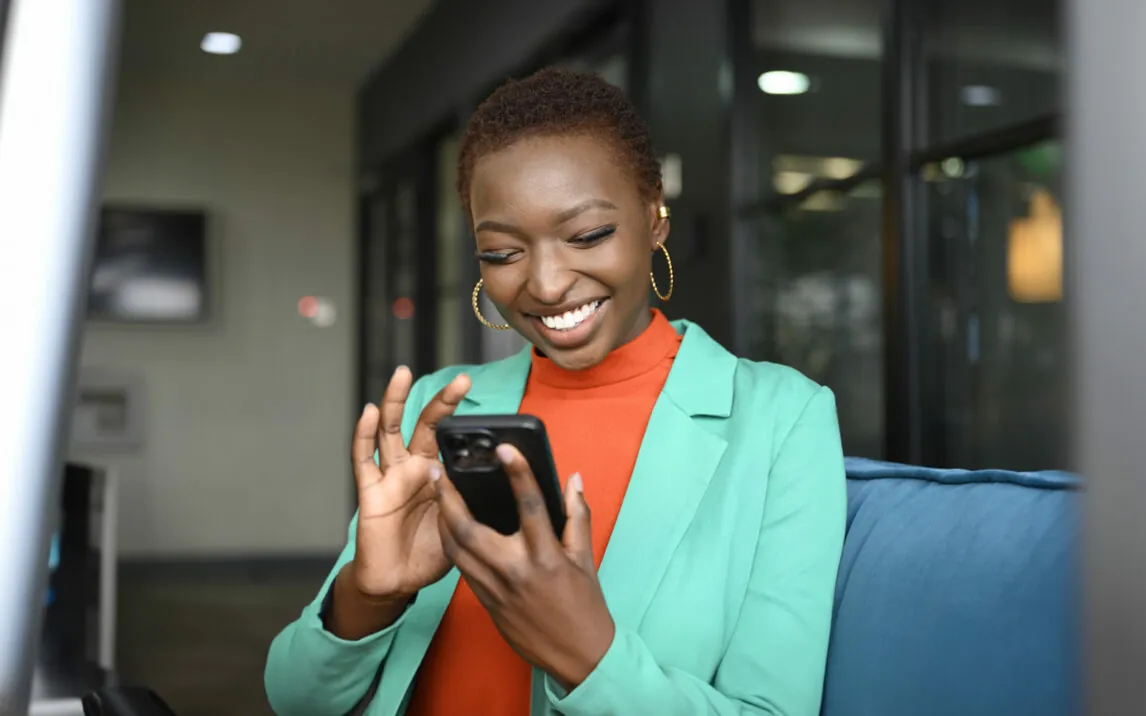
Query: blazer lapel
{"points": [[497, 388], [679, 454]]}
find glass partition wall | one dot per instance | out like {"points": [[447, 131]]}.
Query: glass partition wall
{"points": [[898, 220]]}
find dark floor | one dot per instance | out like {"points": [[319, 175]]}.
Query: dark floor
{"points": [[200, 641]]}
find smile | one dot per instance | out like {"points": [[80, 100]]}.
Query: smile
{"points": [[571, 319]]}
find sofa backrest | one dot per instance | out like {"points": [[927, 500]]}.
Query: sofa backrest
{"points": [[957, 594]]}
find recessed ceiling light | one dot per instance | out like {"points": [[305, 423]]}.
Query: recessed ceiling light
{"points": [[221, 43], [783, 82], [981, 96]]}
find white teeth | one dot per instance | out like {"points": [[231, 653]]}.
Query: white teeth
{"points": [[571, 319]]}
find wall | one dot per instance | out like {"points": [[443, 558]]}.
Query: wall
{"points": [[248, 417]]}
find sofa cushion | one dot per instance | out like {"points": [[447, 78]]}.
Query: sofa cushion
{"points": [[956, 594]]}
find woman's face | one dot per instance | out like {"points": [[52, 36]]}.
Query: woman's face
{"points": [[565, 242]]}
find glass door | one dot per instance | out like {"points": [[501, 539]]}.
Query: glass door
{"points": [[998, 308], [399, 314]]}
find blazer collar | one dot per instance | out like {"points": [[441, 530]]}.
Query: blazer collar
{"points": [[701, 379]]}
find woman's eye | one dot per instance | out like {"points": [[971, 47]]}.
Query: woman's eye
{"points": [[494, 257], [594, 236]]}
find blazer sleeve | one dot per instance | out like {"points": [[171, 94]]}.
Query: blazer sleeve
{"points": [[311, 672], [777, 655]]}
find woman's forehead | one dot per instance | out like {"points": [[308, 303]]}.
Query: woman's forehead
{"points": [[549, 169]]}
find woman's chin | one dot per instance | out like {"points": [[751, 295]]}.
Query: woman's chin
{"points": [[581, 359]]}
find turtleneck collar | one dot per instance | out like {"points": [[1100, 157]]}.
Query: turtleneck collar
{"points": [[658, 341]]}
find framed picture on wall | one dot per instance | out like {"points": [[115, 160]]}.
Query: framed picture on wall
{"points": [[150, 266]]}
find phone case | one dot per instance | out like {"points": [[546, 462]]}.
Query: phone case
{"points": [[467, 446]]}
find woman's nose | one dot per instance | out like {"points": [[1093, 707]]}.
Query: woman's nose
{"points": [[549, 280]]}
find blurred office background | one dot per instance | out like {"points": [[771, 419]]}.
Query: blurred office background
{"points": [[866, 190]]}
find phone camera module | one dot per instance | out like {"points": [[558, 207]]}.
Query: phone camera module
{"points": [[463, 458]]}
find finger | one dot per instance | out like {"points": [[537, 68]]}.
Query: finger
{"points": [[424, 440], [578, 536], [535, 524], [460, 531], [482, 578], [391, 448], [363, 445]]}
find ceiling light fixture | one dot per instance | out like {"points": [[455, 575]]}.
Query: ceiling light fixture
{"points": [[981, 96], [221, 43], [783, 82]]}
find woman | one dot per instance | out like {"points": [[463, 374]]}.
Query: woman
{"points": [[717, 484]]}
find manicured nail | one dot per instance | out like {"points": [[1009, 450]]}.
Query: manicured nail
{"points": [[435, 473], [365, 408], [575, 483], [504, 453]]}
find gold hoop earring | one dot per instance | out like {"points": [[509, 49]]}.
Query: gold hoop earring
{"points": [[477, 310], [672, 279]]}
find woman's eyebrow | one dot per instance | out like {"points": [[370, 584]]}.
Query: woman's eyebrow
{"points": [[560, 218], [584, 206], [499, 227]]}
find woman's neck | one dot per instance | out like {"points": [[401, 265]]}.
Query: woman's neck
{"points": [[640, 323]]}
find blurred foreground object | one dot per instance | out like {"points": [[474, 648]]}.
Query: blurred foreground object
{"points": [[54, 82], [1107, 150]]}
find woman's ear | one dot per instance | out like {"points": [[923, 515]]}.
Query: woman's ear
{"points": [[660, 225]]}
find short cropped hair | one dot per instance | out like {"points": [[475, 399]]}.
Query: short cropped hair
{"points": [[555, 102]]}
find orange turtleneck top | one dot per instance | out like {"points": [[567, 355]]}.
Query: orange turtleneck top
{"points": [[596, 420]]}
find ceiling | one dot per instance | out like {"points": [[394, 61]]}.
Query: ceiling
{"points": [[1019, 33], [333, 42]]}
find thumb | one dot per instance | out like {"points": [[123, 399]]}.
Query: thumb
{"points": [[578, 535]]}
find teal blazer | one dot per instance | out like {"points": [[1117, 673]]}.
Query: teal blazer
{"points": [[719, 574]]}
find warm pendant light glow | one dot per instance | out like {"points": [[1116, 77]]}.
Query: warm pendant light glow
{"points": [[1034, 252]]}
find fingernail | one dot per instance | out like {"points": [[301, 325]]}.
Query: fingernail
{"points": [[575, 483], [399, 369], [365, 408], [435, 473], [504, 453]]}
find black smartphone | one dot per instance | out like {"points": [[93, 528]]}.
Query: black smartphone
{"points": [[467, 444]]}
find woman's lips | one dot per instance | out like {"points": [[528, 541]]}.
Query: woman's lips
{"points": [[583, 319]]}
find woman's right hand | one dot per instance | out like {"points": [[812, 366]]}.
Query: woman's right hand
{"points": [[398, 549]]}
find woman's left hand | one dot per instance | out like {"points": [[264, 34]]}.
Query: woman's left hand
{"points": [[542, 593]]}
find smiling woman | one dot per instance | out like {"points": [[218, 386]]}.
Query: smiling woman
{"points": [[703, 582], [563, 187]]}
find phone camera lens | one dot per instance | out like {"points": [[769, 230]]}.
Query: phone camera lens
{"points": [[483, 444]]}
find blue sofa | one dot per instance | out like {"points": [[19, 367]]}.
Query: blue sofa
{"points": [[957, 594]]}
